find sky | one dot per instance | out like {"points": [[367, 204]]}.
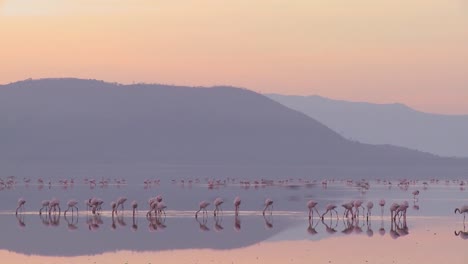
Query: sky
{"points": [[408, 51]]}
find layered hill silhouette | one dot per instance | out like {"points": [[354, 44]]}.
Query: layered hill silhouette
{"points": [[395, 124], [73, 123]]}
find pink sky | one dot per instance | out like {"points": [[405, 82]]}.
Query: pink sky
{"points": [[409, 51]]}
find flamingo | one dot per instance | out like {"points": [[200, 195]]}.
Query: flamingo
{"points": [[114, 208], [21, 202], [161, 208], [203, 205], [121, 201], [357, 204], [415, 193], [370, 205], [330, 208], [348, 208], [218, 202], [462, 210], [311, 205], [45, 204], [268, 203], [134, 207], [382, 204], [54, 204], [393, 209], [72, 204], [402, 209], [237, 202]]}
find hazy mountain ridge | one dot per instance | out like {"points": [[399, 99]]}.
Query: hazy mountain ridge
{"points": [[82, 122], [394, 124]]}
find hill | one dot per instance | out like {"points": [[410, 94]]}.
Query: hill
{"points": [[86, 126]]}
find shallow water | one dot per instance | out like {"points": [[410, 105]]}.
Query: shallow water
{"points": [[284, 236]]}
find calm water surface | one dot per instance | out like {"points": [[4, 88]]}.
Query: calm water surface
{"points": [[431, 231]]}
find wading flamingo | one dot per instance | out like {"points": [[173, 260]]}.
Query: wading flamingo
{"points": [[21, 202], [311, 205], [71, 204], [203, 205], [237, 202], [268, 203], [462, 210], [217, 202]]}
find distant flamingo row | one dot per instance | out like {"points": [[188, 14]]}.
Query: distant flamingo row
{"points": [[11, 181]]}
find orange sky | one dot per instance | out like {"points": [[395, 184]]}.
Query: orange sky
{"points": [[409, 51]]}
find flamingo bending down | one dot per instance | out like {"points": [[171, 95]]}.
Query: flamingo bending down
{"points": [[393, 209], [121, 201], [402, 209], [462, 210], [415, 193], [203, 205], [161, 208], [54, 204], [45, 204], [21, 202], [218, 202], [237, 202], [268, 203], [71, 204], [311, 205], [348, 208], [330, 208]]}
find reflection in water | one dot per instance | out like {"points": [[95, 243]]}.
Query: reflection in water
{"points": [[202, 223], [462, 233], [330, 229], [311, 228], [134, 222], [218, 220], [268, 221], [20, 218], [237, 223], [72, 223], [94, 221]]}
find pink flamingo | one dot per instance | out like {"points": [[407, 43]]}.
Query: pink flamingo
{"points": [[121, 201], [203, 205], [462, 210], [21, 202], [311, 205], [382, 204], [393, 209], [330, 208], [218, 202], [161, 208], [357, 204], [71, 204], [348, 208], [45, 205], [415, 194], [237, 202], [54, 204], [268, 203]]}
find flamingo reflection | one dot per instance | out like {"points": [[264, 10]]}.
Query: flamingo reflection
{"points": [[20, 218], [311, 228], [237, 223], [202, 223], [72, 224]]}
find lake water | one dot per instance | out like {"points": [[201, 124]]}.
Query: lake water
{"points": [[430, 234]]}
